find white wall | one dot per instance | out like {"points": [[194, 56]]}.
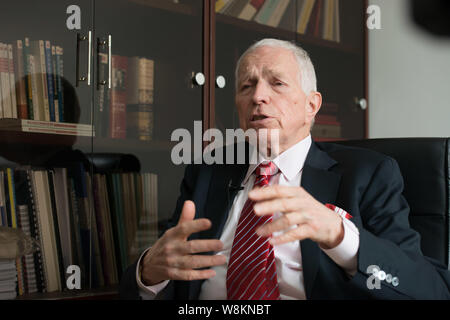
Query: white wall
{"points": [[409, 77]]}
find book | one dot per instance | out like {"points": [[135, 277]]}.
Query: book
{"points": [[41, 195], [104, 230], [24, 191], [266, 11], [140, 122], [12, 81], [118, 98], [29, 85], [59, 52], [5, 83], [101, 115], [235, 8], [38, 52], [304, 15], [63, 215], [288, 21], [49, 79], [98, 279], [277, 14], [250, 9], [55, 83], [21, 87], [140, 78], [331, 29]]}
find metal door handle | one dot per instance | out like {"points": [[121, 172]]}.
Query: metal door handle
{"points": [[87, 77]]}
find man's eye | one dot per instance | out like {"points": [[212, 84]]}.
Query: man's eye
{"points": [[278, 83]]}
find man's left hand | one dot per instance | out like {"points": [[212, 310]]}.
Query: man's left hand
{"points": [[304, 216]]}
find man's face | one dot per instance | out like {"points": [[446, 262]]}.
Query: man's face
{"points": [[269, 95]]}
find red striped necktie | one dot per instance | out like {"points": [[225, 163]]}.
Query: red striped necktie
{"points": [[252, 273]]}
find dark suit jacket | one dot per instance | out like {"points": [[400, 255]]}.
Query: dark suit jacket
{"points": [[366, 184]]}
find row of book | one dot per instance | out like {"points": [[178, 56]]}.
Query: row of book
{"points": [[318, 18], [126, 111], [31, 74], [100, 223]]}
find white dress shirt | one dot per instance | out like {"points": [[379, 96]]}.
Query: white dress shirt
{"points": [[288, 258]]}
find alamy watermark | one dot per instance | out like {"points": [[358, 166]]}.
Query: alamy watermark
{"points": [[262, 141]]}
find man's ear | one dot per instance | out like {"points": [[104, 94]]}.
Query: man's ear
{"points": [[313, 104]]}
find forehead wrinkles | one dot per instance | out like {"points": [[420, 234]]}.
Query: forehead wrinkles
{"points": [[254, 66]]}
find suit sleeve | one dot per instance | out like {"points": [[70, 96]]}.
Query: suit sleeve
{"points": [[388, 243], [129, 288]]}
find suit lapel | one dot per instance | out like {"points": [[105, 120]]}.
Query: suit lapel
{"points": [[323, 185]]}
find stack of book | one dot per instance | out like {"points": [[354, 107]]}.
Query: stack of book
{"points": [[100, 223], [318, 18], [8, 279]]}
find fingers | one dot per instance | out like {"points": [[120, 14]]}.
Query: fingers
{"points": [[188, 212], [195, 261], [280, 224], [299, 233], [272, 192], [190, 275], [284, 205], [198, 246]]}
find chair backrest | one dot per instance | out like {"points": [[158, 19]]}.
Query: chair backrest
{"points": [[424, 164]]}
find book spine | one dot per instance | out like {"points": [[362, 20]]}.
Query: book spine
{"points": [[5, 84], [60, 74], [55, 84], [12, 81], [102, 233], [28, 80], [265, 12], [305, 15], [21, 88], [35, 231], [43, 76], [275, 17], [49, 73], [51, 183], [118, 98]]}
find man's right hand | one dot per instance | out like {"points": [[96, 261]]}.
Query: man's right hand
{"points": [[172, 257]]}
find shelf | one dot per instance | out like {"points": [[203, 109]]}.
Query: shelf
{"points": [[107, 293], [43, 139], [276, 32]]}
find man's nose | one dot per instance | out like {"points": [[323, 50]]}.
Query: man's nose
{"points": [[261, 93]]}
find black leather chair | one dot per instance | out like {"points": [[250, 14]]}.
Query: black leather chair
{"points": [[425, 166]]}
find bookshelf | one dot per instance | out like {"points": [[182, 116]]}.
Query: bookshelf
{"points": [[107, 185]]}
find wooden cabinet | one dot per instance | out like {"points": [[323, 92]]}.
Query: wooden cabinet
{"points": [[134, 71]]}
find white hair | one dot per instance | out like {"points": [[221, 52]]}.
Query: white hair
{"points": [[307, 74]]}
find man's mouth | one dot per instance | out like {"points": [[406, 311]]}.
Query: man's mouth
{"points": [[258, 117]]}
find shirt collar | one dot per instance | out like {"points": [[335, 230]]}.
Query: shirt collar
{"points": [[290, 162]]}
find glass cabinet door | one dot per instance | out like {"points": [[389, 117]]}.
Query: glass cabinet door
{"points": [[45, 134], [331, 31], [147, 54]]}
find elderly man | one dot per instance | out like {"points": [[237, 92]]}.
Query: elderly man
{"points": [[316, 222]]}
